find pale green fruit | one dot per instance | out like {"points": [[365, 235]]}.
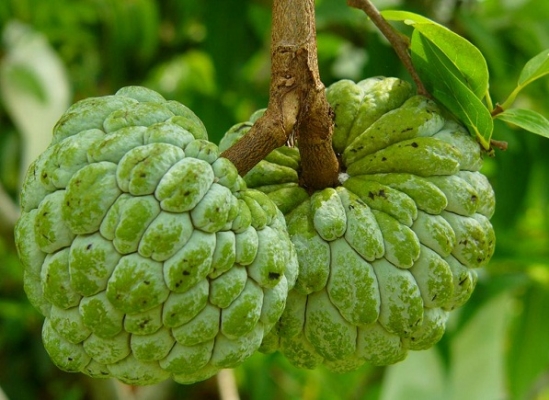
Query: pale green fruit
{"points": [[385, 256], [144, 250]]}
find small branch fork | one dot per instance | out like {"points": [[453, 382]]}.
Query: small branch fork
{"points": [[399, 42], [297, 102]]}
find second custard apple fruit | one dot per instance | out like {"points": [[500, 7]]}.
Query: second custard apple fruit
{"points": [[386, 255], [144, 250]]}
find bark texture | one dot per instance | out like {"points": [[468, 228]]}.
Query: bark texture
{"points": [[297, 109]]}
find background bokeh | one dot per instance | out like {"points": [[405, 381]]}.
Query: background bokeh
{"points": [[214, 57]]}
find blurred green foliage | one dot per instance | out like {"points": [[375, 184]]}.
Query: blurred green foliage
{"points": [[214, 57]]}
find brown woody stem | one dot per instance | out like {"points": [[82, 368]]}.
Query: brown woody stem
{"points": [[399, 43], [297, 102]]}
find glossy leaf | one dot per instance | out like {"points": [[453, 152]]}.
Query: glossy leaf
{"points": [[466, 61], [407, 17], [442, 82], [526, 119]]}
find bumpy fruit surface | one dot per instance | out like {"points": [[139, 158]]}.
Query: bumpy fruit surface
{"points": [[144, 249], [385, 256]]}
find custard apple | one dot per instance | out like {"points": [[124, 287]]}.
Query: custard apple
{"points": [[144, 250], [386, 255]]}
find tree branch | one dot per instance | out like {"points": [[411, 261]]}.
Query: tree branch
{"points": [[399, 43], [297, 102]]}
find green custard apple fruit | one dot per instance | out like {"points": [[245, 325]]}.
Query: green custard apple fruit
{"points": [[144, 250], [386, 255]]}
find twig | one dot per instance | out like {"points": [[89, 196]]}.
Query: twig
{"points": [[397, 41], [498, 144], [297, 101], [228, 390]]}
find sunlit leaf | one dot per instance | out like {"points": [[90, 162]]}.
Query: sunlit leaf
{"points": [[34, 86], [467, 62], [407, 17], [420, 376], [528, 353], [441, 81], [526, 119], [27, 81], [535, 68], [465, 57], [477, 368]]}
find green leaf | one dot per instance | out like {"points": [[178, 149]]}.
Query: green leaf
{"points": [[467, 62], [27, 81], [528, 351], [441, 81], [526, 119], [477, 367], [421, 375], [407, 17], [465, 58], [535, 68]]}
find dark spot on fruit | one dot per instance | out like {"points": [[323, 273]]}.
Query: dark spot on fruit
{"points": [[434, 297], [351, 207], [474, 198], [273, 275], [186, 273], [146, 282], [414, 145], [69, 358], [373, 195], [186, 193], [408, 130], [89, 246], [464, 242], [177, 284], [142, 175], [143, 324], [384, 159]]}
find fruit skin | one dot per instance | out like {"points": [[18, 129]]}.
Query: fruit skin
{"points": [[385, 256], [145, 251]]}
